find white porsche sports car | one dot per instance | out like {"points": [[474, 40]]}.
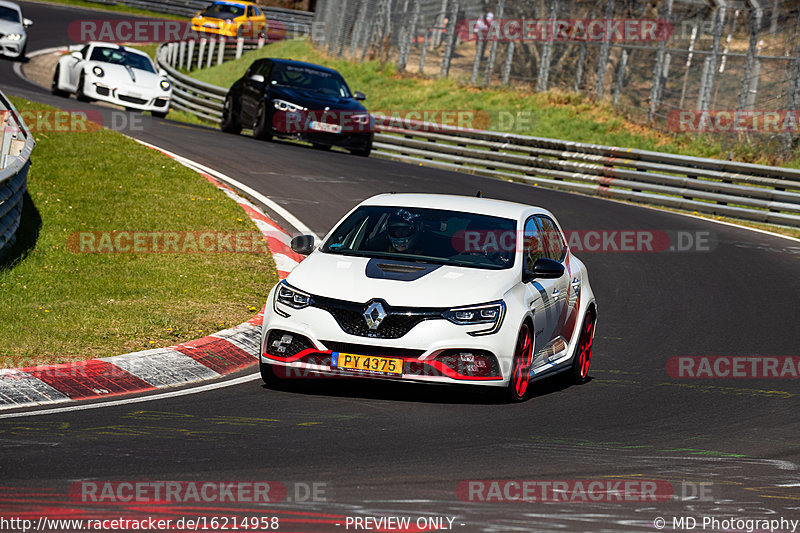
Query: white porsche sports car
{"points": [[433, 288], [13, 34], [115, 74]]}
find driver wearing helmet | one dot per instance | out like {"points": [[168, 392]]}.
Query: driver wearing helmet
{"points": [[405, 233]]}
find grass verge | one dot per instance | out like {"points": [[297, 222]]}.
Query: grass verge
{"points": [[61, 305]]}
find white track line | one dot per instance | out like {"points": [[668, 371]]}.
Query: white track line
{"points": [[138, 399]]}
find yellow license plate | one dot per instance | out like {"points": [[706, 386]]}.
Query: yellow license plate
{"points": [[367, 363]]}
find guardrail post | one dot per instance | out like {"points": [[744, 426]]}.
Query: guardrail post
{"points": [[181, 54], [239, 47], [190, 55], [211, 46], [201, 52], [260, 44], [221, 51]]}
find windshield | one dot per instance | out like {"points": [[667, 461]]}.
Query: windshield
{"points": [[11, 15], [223, 11], [426, 235], [311, 79], [118, 56]]}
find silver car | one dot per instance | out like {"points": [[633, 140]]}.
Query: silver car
{"points": [[13, 26]]}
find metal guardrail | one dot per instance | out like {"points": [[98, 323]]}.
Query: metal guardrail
{"points": [[746, 191], [16, 145], [290, 18]]}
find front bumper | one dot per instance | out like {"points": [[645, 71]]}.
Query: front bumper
{"points": [[130, 97], [433, 351], [12, 49]]}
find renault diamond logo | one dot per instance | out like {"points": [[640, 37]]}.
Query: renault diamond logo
{"points": [[374, 315]]}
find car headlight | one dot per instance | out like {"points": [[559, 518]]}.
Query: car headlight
{"points": [[291, 297], [165, 85], [283, 105], [97, 71], [491, 314], [14, 36], [362, 119]]}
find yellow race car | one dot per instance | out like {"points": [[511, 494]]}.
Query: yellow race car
{"points": [[232, 19]]}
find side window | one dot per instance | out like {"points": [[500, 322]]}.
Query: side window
{"points": [[85, 52], [250, 13], [265, 69], [553, 240], [256, 11], [533, 247]]}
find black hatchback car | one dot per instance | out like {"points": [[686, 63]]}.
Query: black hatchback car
{"points": [[292, 99]]}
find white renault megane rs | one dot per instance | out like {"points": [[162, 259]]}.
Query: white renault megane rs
{"points": [[433, 288]]}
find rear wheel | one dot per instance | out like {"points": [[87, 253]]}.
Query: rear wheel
{"points": [[54, 86], [229, 123], [579, 372], [261, 129], [517, 389]]}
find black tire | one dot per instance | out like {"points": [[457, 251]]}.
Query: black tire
{"points": [[261, 128], [578, 373], [519, 382], [54, 85], [321, 147], [160, 114], [229, 122], [362, 153], [79, 94], [268, 375]]}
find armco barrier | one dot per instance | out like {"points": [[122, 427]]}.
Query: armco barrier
{"points": [[746, 191], [16, 145]]}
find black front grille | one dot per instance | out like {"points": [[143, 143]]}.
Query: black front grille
{"points": [[132, 100], [103, 91], [363, 349], [398, 321]]}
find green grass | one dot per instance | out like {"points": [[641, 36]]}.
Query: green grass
{"points": [[113, 8], [553, 114], [61, 305]]}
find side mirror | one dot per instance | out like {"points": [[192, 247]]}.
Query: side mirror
{"points": [[27, 23], [77, 55], [257, 78], [358, 95], [162, 73], [547, 269], [303, 245]]}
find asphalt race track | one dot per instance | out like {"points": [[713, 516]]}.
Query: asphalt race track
{"points": [[728, 447]]}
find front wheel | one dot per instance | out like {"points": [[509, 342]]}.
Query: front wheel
{"points": [[268, 375], [579, 371], [517, 389], [159, 114], [362, 153], [80, 94]]}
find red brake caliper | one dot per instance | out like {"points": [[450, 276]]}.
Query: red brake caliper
{"points": [[586, 349], [523, 364]]}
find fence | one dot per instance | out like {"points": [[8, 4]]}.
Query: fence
{"points": [[741, 190], [16, 145], [710, 55]]}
